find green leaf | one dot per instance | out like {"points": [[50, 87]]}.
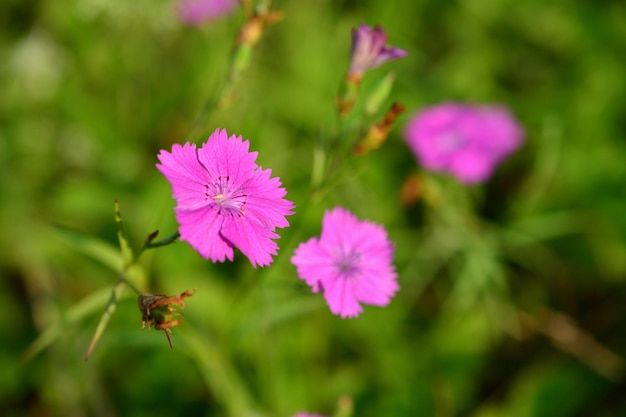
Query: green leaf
{"points": [[79, 311], [129, 268], [380, 93], [127, 253], [93, 248], [114, 298]]}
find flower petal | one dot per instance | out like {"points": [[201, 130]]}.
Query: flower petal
{"points": [[201, 229], [376, 286], [314, 263], [265, 200], [369, 50], [472, 166], [252, 238], [224, 156], [339, 295], [338, 229], [195, 12], [186, 174]]}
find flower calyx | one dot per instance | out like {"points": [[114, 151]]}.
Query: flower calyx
{"points": [[158, 310]]}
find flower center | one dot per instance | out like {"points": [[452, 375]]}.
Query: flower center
{"points": [[227, 198], [348, 263], [450, 142]]}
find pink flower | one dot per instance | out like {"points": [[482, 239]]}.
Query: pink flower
{"points": [[463, 140], [196, 12], [307, 415], [369, 50], [349, 263], [224, 199]]}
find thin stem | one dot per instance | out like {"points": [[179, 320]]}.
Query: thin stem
{"points": [[149, 244], [164, 242], [130, 285], [116, 294]]}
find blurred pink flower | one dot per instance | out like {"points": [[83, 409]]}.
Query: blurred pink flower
{"points": [[463, 140], [196, 12], [307, 415], [224, 199], [369, 50], [349, 263]]}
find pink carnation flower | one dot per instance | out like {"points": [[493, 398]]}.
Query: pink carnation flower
{"points": [[465, 141], [307, 415], [224, 199], [196, 12], [369, 50], [350, 263]]}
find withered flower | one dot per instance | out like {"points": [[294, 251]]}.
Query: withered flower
{"points": [[158, 310], [378, 132]]}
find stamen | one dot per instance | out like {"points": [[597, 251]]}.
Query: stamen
{"points": [[227, 197]]}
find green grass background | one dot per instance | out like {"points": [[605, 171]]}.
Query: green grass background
{"points": [[513, 294]]}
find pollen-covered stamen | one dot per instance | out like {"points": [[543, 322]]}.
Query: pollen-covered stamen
{"points": [[229, 198]]}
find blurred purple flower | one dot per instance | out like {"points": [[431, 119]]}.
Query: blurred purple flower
{"points": [[224, 199], [307, 415], [369, 50], [349, 263], [463, 140], [196, 12]]}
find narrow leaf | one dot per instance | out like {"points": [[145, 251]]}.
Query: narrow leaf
{"points": [[79, 311], [118, 287], [127, 252], [116, 294], [94, 248]]}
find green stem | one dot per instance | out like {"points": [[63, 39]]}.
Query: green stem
{"points": [[318, 168], [163, 242], [130, 285], [149, 244], [116, 294]]}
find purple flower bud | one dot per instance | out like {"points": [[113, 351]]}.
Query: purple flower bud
{"points": [[196, 12], [369, 50]]}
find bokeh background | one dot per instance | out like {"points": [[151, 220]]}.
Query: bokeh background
{"points": [[513, 293]]}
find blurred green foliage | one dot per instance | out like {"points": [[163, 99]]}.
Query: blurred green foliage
{"points": [[513, 294]]}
